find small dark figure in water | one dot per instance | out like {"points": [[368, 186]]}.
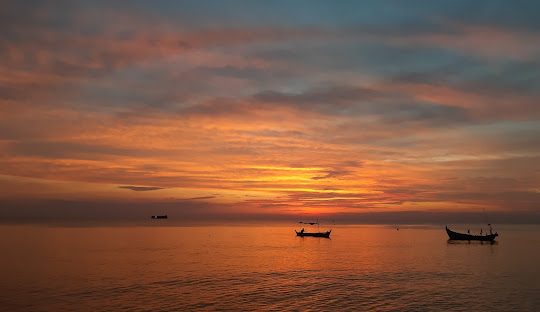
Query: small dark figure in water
{"points": [[469, 231], [480, 232]]}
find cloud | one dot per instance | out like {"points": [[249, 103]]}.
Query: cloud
{"points": [[394, 106], [332, 174], [202, 197], [141, 188], [342, 171]]}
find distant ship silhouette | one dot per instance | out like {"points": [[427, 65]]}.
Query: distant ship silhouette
{"points": [[159, 217]]}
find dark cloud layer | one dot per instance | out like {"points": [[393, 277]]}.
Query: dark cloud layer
{"points": [[141, 188]]}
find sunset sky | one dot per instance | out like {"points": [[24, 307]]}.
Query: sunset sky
{"points": [[215, 108]]}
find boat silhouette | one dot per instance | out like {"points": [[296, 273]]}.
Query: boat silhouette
{"points": [[159, 217], [315, 234], [460, 236], [303, 233]]}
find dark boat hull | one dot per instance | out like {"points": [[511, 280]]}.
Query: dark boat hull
{"points": [[318, 234], [459, 236], [159, 217]]}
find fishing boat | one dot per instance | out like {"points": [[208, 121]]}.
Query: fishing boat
{"points": [[316, 234], [460, 236], [159, 217], [303, 233]]}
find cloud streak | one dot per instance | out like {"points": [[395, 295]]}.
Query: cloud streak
{"points": [[141, 188]]}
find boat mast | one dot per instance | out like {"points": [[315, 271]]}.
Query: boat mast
{"points": [[489, 224], [318, 226]]}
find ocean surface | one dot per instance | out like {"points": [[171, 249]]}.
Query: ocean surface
{"points": [[159, 267]]}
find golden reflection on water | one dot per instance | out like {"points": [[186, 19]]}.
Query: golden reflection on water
{"points": [[258, 268]]}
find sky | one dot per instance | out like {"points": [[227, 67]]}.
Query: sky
{"points": [[207, 109]]}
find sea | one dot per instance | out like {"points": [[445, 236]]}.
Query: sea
{"points": [[159, 266]]}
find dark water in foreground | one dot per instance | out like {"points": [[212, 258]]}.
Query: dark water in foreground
{"points": [[359, 268]]}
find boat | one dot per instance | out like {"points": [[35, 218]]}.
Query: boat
{"points": [[460, 236], [303, 233], [159, 217]]}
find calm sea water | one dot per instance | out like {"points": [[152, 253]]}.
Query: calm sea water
{"points": [[242, 268]]}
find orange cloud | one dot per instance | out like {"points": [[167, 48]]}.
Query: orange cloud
{"points": [[178, 115]]}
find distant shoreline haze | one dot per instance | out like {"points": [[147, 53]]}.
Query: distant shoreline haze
{"points": [[60, 211]]}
